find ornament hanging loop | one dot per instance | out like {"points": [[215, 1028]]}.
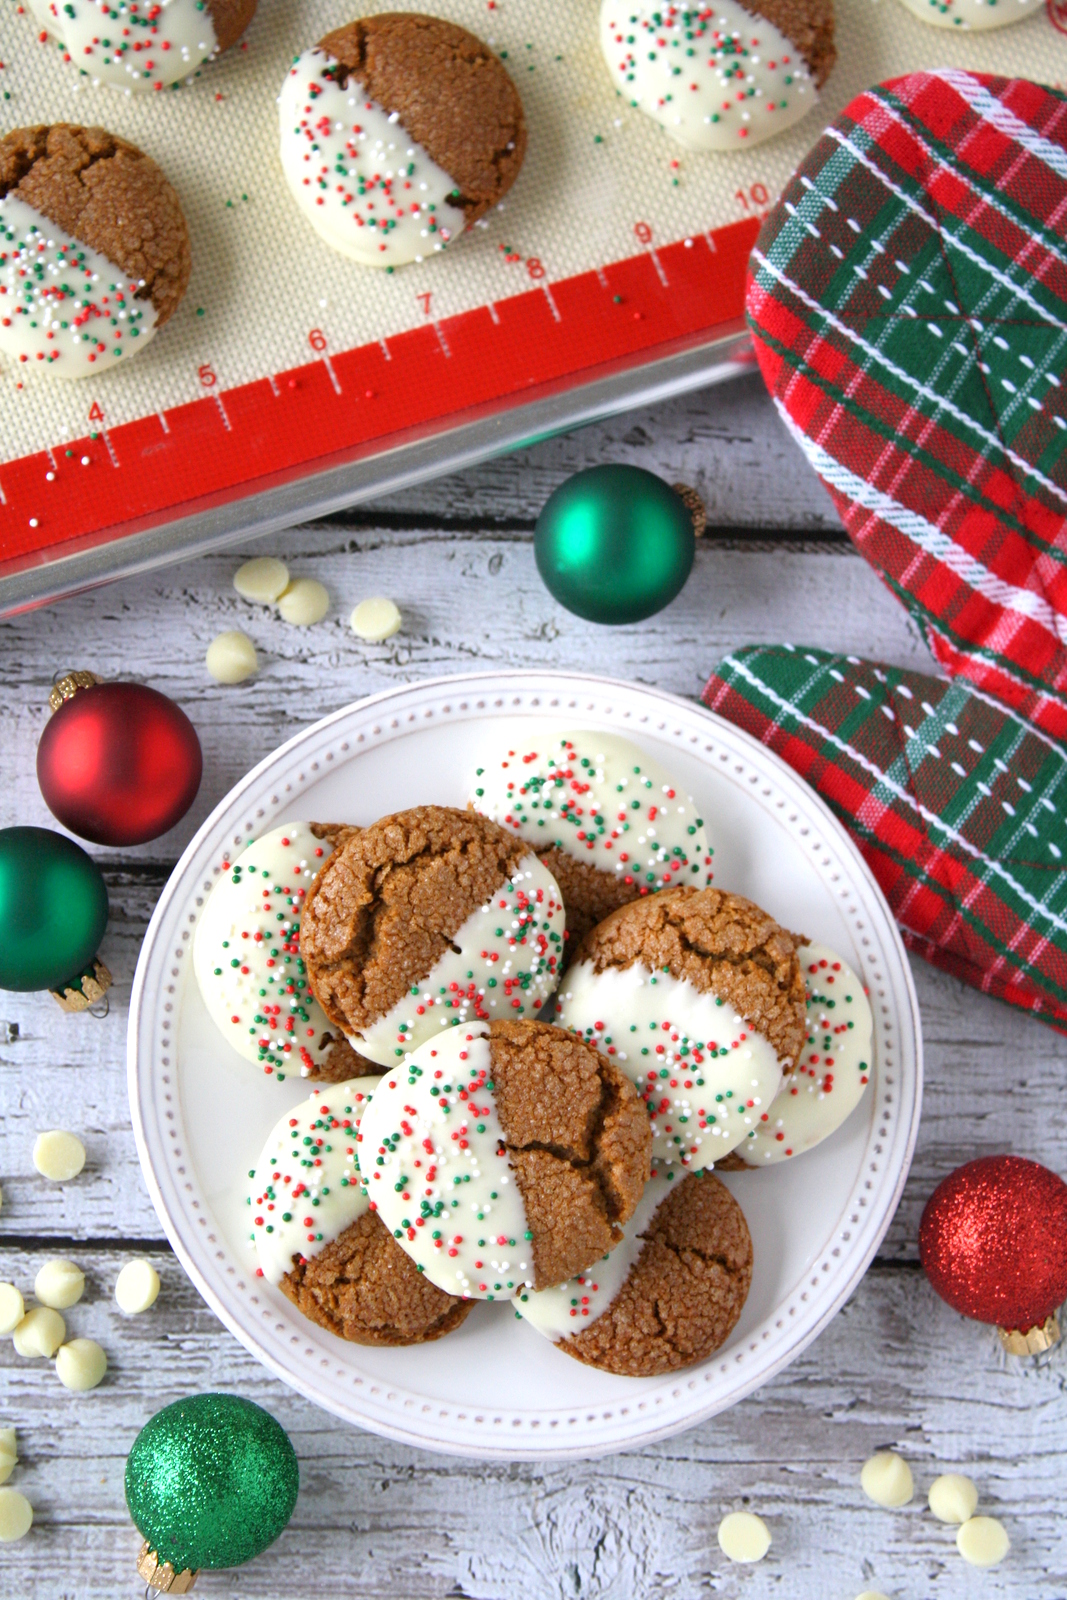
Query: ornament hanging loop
{"points": [[694, 505], [87, 993], [66, 685]]}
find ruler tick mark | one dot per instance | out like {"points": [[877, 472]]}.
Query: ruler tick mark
{"points": [[554, 307], [110, 448], [3, 496], [385, 350], [709, 240], [222, 412], [328, 364], [275, 391], [658, 264], [164, 424], [52, 459], [494, 314], [442, 341], [603, 277]]}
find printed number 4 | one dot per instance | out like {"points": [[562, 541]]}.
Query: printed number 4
{"points": [[95, 413]]}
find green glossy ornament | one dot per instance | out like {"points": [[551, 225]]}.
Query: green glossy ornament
{"points": [[614, 544], [53, 909], [211, 1481]]}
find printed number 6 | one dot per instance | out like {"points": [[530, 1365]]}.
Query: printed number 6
{"points": [[317, 339]]}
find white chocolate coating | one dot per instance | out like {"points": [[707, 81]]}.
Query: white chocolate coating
{"points": [[306, 1187], [137, 1287], [59, 1284], [16, 1515], [744, 1537], [40, 1333], [132, 44], [886, 1479], [705, 1074], [246, 954], [983, 1541], [63, 305], [598, 798], [832, 1074], [953, 1497], [364, 185], [571, 1307], [715, 77], [12, 1307], [58, 1155], [503, 961], [974, 15], [80, 1364], [435, 1163]]}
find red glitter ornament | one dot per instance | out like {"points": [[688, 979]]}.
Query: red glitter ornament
{"points": [[118, 763], [993, 1241]]}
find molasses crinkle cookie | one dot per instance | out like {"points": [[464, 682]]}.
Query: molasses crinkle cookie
{"points": [[609, 823], [143, 44], [426, 920], [699, 996], [398, 131], [504, 1155], [246, 955], [317, 1240], [668, 1296], [722, 76], [94, 249]]}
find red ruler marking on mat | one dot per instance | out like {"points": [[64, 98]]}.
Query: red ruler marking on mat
{"points": [[218, 446]]}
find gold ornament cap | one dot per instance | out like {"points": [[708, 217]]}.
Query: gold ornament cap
{"points": [[1031, 1341], [84, 991], [694, 505], [68, 686], [161, 1576]]}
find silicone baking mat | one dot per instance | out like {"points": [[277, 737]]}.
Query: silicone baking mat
{"points": [[615, 245]]}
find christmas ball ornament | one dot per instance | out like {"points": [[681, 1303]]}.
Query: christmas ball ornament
{"points": [[615, 544], [118, 763], [993, 1242], [53, 910], [210, 1482]]}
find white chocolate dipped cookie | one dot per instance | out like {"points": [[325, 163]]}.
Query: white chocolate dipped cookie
{"points": [[246, 956], [607, 820], [665, 1298], [143, 45], [973, 14], [722, 76], [504, 1155], [427, 920], [834, 1069], [698, 996], [397, 133]]}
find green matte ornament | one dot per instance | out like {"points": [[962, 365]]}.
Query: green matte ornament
{"points": [[210, 1482], [53, 909], [615, 544]]}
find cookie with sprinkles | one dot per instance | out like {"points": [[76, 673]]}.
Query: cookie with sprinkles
{"points": [[605, 818], [973, 14], [834, 1069], [429, 919], [503, 1155], [398, 132], [722, 76], [94, 249], [317, 1240], [246, 956], [143, 45], [699, 997], [668, 1296]]}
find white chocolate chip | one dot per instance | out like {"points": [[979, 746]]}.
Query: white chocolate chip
{"points": [[305, 601], [982, 1541], [262, 579], [40, 1333], [12, 1309], [16, 1515], [376, 619], [81, 1364], [9, 1453], [872, 1594], [887, 1480], [231, 657], [58, 1155], [136, 1287], [59, 1284], [953, 1498], [744, 1537]]}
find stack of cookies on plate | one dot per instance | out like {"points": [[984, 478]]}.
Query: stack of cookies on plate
{"points": [[457, 1146]]}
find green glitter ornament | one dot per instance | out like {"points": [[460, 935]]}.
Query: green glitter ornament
{"points": [[210, 1482], [615, 544], [53, 911]]}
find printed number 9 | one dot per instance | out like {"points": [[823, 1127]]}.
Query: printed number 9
{"points": [[643, 232]]}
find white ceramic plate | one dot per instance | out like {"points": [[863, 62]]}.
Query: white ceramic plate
{"points": [[495, 1388]]}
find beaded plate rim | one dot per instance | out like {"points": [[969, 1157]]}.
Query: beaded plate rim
{"points": [[662, 1407]]}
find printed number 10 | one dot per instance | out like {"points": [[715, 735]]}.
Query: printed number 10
{"points": [[757, 195]]}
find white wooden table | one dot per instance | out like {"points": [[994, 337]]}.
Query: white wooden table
{"points": [[374, 1519]]}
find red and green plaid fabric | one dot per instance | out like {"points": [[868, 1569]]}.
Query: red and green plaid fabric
{"points": [[908, 298], [958, 806]]}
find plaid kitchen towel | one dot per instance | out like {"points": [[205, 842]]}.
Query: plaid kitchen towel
{"points": [[908, 299], [959, 807]]}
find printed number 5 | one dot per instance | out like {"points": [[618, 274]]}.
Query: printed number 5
{"points": [[207, 376]]}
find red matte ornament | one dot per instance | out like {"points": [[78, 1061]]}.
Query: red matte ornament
{"points": [[119, 763], [993, 1241]]}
